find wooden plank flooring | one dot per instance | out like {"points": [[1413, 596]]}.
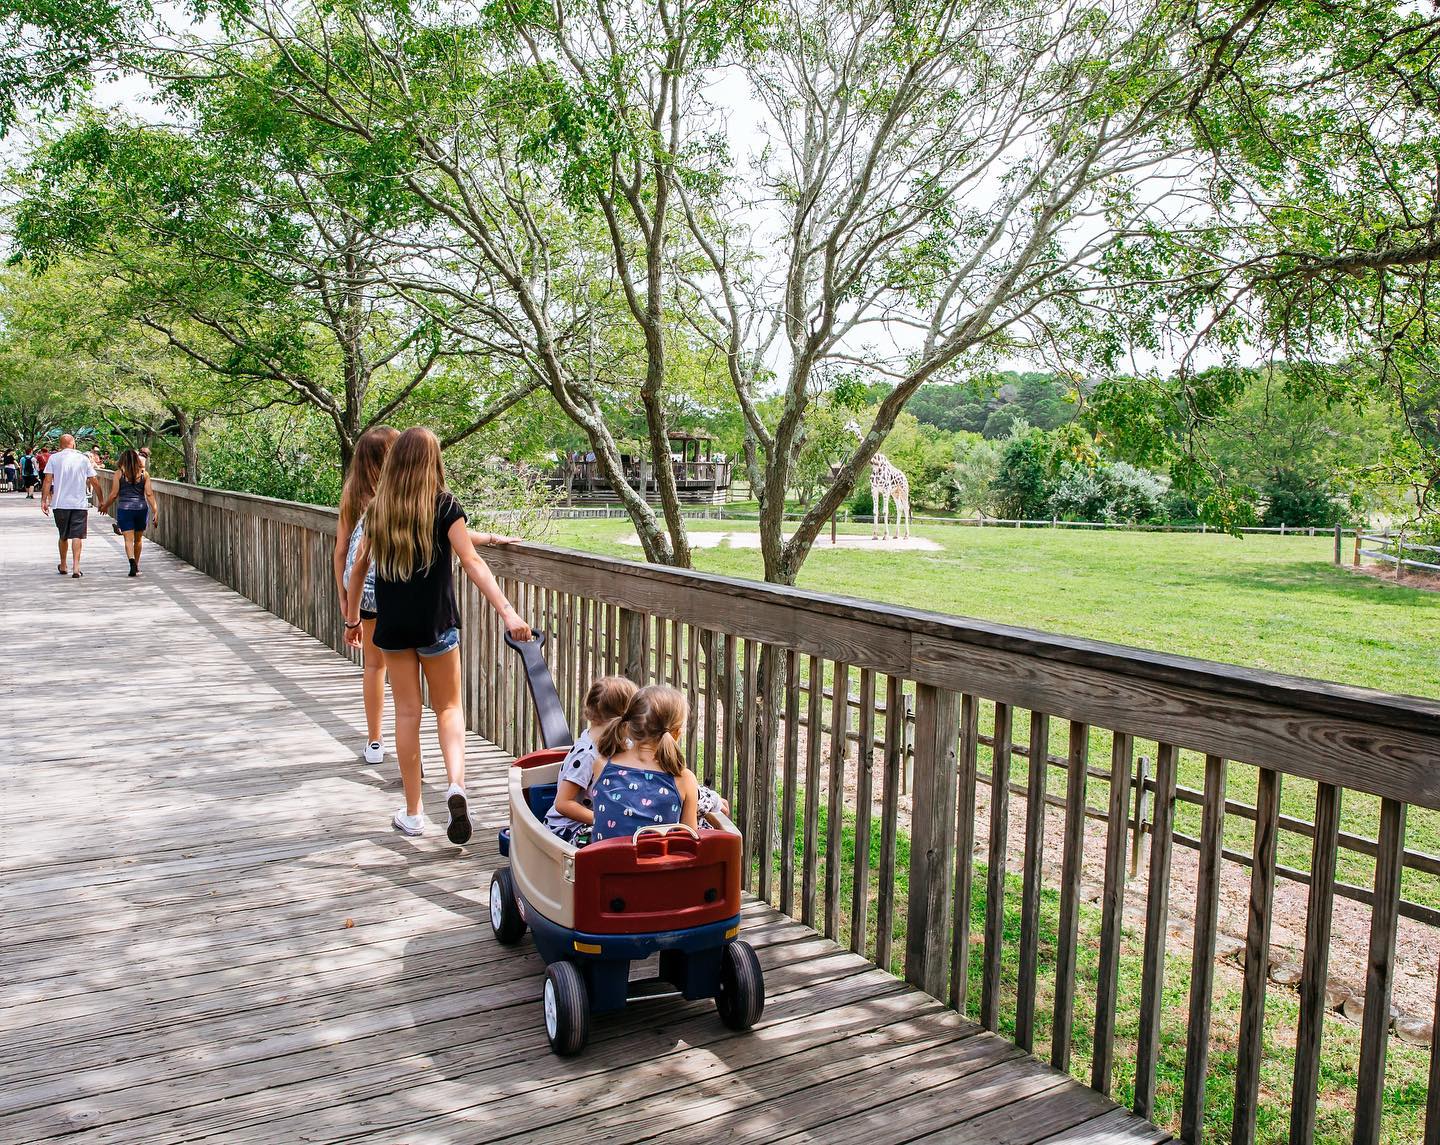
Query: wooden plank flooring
{"points": [[209, 931]]}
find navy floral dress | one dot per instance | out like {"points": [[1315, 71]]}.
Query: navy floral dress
{"points": [[628, 798]]}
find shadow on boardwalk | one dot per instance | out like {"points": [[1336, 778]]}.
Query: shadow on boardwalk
{"points": [[210, 930]]}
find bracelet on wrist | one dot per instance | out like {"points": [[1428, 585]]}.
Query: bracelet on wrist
{"points": [[355, 625]]}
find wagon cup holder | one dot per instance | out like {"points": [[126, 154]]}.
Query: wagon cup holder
{"points": [[666, 841]]}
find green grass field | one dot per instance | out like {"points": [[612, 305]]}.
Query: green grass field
{"points": [[1263, 601]]}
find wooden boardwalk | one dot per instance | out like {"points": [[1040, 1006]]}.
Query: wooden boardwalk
{"points": [[210, 931]]}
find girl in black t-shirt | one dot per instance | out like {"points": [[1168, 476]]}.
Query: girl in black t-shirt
{"points": [[412, 527]]}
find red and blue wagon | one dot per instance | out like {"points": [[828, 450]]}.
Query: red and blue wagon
{"points": [[669, 894]]}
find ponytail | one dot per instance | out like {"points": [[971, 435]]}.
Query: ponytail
{"points": [[667, 754], [612, 739]]}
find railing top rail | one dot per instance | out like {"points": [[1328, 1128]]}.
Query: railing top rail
{"points": [[1324, 696], [1364, 739]]}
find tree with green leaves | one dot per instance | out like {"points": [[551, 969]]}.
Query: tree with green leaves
{"points": [[245, 240]]}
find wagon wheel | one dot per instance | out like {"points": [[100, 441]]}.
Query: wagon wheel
{"points": [[505, 918], [567, 1009], [740, 998]]}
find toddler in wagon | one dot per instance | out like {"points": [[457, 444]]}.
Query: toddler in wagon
{"points": [[643, 780], [572, 815]]}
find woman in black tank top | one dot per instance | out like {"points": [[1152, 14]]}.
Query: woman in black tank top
{"points": [[134, 504]]}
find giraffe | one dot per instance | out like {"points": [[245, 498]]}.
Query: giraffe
{"points": [[887, 482]]}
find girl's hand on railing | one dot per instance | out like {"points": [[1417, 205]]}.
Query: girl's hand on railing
{"points": [[516, 626], [492, 539]]}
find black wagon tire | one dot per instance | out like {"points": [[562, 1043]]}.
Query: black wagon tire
{"points": [[505, 920], [740, 998], [567, 1009]]}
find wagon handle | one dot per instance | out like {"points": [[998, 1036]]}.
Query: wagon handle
{"points": [[664, 828]]}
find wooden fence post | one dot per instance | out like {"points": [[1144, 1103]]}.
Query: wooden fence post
{"points": [[1142, 776], [1357, 546], [1339, 532], [932, 839]]}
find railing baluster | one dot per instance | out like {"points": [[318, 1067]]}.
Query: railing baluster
{"points": [[815, 708], [1202, 954], [746, 766], [709, 643], [1157, 918], [767, 730], [995, 868], [1071, 867], [1320, 911], [1432, 1091], [1039, 768], [835, 804], [864, 785], [789, 779], [1257, 957], [1112, 912], [692, 695], [732, 722], [964, 852], [894, 746], [1379, 973], [932, 859], [585, 668]]}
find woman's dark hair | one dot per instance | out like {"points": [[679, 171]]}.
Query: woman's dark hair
{"points": [[656, 715], [130, 466]]}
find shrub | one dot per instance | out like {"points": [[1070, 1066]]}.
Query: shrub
{"points": [[1081, 494], [280, 453], [1292, 500], [1137, 494], [1022, 483]]}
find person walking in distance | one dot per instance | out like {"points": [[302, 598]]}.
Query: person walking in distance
{"points": [[412, 527], [29, 473], [11, 467], [134, 504], [69, 476]]}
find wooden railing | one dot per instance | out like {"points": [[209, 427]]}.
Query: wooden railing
{"points": [[1396, 551], [923, 882]]}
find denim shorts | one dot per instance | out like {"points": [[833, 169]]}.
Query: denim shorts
{"points": [[448, 642], [132, 520]]}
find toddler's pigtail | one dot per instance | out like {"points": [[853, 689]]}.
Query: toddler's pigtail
{"points": [[667, 754], [612, 739]]}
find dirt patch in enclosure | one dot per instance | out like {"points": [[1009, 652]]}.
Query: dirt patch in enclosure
{"points": [[1413, 578], [745, 540]]}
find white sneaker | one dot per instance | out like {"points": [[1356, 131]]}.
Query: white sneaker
{"points": [[375, 752], [457, 827], [408, 824]]}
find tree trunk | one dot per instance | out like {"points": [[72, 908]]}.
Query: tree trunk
{"points": [[189, 445]]}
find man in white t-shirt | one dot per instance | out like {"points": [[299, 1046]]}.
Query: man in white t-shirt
{"points": [[68, 475]]}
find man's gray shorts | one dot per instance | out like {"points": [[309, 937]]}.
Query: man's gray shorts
{"points": [[72, 523]]}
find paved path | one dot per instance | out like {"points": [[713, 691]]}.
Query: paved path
{"points": [[210, 931]]}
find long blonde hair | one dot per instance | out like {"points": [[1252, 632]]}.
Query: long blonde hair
{"points": [[364, 474], [400, 523], [656, 716]]}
